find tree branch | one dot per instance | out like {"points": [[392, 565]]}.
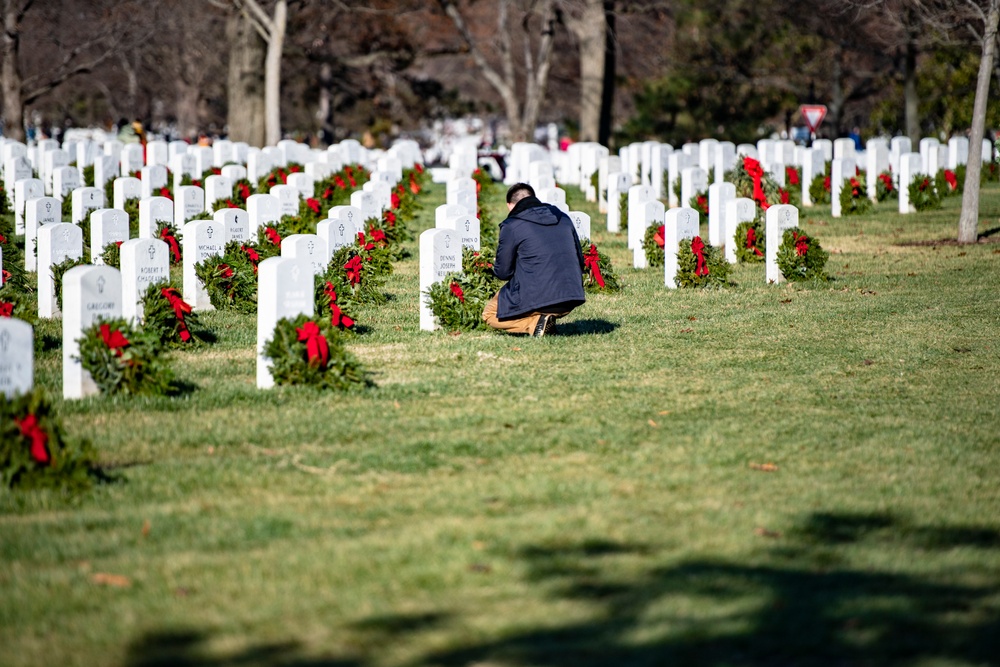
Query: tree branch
{"points": [[489, 73]]}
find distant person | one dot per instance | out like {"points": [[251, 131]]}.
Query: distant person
{"points": [[539, 256], [855, 135]]}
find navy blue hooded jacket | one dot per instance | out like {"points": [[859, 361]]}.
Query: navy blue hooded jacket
{"points": [[539, 255]]}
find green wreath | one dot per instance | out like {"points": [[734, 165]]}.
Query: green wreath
{"points": [[167, 233], [334, 298], [623, 213], [14, 303], [884, 187], [709, 270], [169, 317], [819, 189], [749, 240], [360, 272], [801, 257], [123, 359], [459, 299], [699, 202], [741, 177], [59, 270], [854, 197], [34, 451], [949, 182], [131, 207], [112, 254], [924, 194], [307, 351], [652, 244], [598, 273], [230, 279]]}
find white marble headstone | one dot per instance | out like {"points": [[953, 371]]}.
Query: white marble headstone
{"points": [[309, 248], [285, 290], [143, 263], [679, 224], [581, 222], [202, 239], [152, 212], [263, 211], [740, 209], [17, 357], [236, 222], [778, 219], [653, 213], [440, 254], [85, 201], [189, 204], [217, 188], [38, 212], [288, 199], [107, 226], [56, 243], [89, 293], [720, 194]]}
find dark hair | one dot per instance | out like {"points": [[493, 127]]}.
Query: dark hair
{"points": [[519, 191]]}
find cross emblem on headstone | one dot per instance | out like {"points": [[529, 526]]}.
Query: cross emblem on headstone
{"points": [[685, 216], [310, 247], [788, 215], [350, 216], [151, 252], [4, 341], [65, 236], [341, 229], [209, 232], [48, 207], [295, 273], [447, 241], [100, 285]]}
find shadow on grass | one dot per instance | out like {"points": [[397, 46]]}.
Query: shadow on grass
{"points": [[778, 610], [585, 327], [188, 648]]}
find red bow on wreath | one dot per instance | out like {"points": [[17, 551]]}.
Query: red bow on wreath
{"points": [[6, 309], [317, 349], [175, 249], [698, 248], [337, 316], [801, 244], [115, 340], [951, 179], [39, 438], [756, 172], [244, 191], [353, 268], [592, 261], [181, 308], [313, 204], [272, 235], [752, 242], [658, 237], [456, 289], [395, 200]]}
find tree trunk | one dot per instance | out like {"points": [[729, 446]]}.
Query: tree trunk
{"points": [[836, 106], [245, 115], [188, 98], [537, 82], [968, 223], [272, 74], [608, 87], [592, 33], [911, 101], [10, 75], [324, 114]]}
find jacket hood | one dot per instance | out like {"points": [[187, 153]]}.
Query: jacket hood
{"points": [[531, 209]]}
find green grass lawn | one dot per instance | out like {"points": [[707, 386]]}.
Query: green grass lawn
{"points": [[593, 498]]}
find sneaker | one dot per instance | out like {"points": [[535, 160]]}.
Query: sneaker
{"points": [[546, 326]]}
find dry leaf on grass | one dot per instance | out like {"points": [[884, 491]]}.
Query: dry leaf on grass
{"points": [[764, 532], [686, 330], [652, 423], [105, 579], [146, 527], [482, 568], [764, 467]]}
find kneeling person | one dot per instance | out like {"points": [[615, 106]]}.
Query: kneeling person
{"points": [[539, 255]]}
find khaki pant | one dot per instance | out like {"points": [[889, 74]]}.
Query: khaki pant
{"points": [[524, 325]]}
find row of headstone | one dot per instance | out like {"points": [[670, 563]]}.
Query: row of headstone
{"points": [[683, 223]]}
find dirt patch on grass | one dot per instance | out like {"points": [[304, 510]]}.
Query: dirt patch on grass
{"points": [[989, 236]]}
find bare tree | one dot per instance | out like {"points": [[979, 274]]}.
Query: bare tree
{"points": [[537, 60], [69, 58], [271, 28], [245, 111], [988, 14], [588, 22]]}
